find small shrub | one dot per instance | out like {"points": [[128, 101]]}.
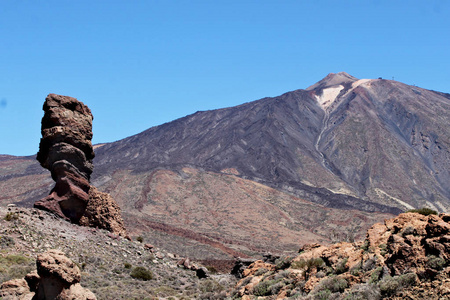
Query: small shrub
{"points": [[356, 269], [334, 284], [275, 288], [369, 264], [262, 288], [308, 265], [365, 246], [341, 266], [141, 273], [376, 275], [364, 292], [383, 249], [127, 265], [423, 211], [283, 263], [435, 262], [209, 286], [391, 285], [11, 216], [261, 271], [323, 295], [140, 239]]}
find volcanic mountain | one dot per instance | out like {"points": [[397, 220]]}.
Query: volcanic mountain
{"points": [[310, 165]]}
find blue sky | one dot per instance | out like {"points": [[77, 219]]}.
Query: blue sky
{"points": [[139, 64]]}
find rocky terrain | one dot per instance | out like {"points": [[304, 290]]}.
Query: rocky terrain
{"points": [[405, 258], [313, 165], [112, 267]]}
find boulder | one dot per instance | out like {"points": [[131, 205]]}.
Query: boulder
{"points": [[103, 212], [57, 277]]}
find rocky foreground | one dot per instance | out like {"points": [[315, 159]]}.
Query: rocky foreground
{"points": [[407, 257], [111, 267]]}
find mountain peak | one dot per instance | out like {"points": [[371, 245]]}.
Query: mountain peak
{"points": [[333, 79]]}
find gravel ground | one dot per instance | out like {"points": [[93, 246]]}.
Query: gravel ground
{"points": [[106, 261]]}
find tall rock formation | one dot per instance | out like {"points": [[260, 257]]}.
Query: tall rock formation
{"points": [[66, 150]]}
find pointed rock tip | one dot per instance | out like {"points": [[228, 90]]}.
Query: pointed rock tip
{"points": [[333, 79]]}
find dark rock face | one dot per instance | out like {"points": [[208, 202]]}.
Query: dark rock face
{"points": [[66, 150]]}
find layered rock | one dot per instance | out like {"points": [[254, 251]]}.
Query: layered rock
{"points": [[57, 277], [66, 150]]}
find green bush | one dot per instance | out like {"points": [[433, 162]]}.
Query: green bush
{"points": [[11, 216], [262, 288], [341, 266], [261, 271], [140, 239], [334, 283], [435, 262], [141, 273], [376, 275], [423, 211], [283, 263], [127, 265], [391, 285]]}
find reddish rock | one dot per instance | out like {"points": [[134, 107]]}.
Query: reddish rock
{"points": [[66, 150], [103, 212], [410, 250], [57, 277], [148, 246]]}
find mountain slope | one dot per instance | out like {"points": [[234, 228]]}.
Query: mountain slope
{"points": [[377, 144], [319, 164]]}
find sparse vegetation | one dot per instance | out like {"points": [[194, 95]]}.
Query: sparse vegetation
{"points": [[11, 216], [141, 273], [390, 285], [308, 265], [423, 211], [435, 262]]}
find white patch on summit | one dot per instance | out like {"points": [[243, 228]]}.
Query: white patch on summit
{"points": [[328, 96]]}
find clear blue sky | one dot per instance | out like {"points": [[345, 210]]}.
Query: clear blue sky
{"points": [[139, 64]]}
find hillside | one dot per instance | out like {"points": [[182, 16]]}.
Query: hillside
{"points": [[313, 165]]}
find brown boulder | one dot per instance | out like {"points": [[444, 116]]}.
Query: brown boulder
{"points": [[57, 277], [103, 212], [15, 289]]}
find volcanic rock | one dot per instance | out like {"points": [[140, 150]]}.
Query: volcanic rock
{"points": [[66, 150], [406, 256], [103, 212], [57, 277]]}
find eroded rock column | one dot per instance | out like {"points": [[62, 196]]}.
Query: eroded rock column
{"points": [[66, 150]]}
